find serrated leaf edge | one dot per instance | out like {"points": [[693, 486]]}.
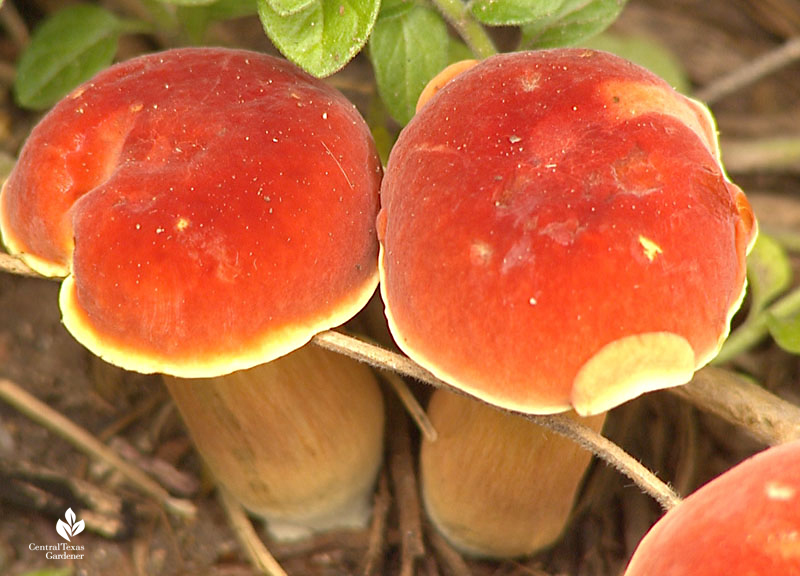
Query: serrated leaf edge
{"points": [[320, 71]]}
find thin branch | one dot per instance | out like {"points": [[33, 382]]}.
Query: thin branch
{"points": [[375, 356], [406, 492], [34, 487], [604, 449], [583, 435], [765, 416], [253, 547], [451, 557], [470, 30], [8, 73], [612, 455], [376, 550], [83, 440], [412, 405], [16, 266], [746, 75], [15, 25]]}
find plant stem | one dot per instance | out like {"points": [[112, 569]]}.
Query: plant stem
{"points": [[375, 356], [600, 446], [754, 329], [470, 30], [15, 26]]}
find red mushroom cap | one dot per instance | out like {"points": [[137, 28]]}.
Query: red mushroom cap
{"points": [[556, 230], [212, 210], [743, 523]]}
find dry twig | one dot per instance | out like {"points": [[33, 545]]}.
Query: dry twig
{"points": [[583, 435], [453, 562], [745, 404], [374, 556], [404, 482], [412, 405], [253, 547], [744, 76], [14, 25], [16, 266], [83, 440], [44, 490]]}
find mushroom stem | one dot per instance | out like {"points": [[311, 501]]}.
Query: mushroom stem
{"points": [[589, 439], [496, 484], [298, 441]]}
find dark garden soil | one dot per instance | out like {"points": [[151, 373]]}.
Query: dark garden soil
{"points": [[41, 474]]}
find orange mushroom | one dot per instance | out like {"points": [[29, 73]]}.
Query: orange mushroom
{"points": [[211, 210], [744, 522], [556, 233], [576, 202]]}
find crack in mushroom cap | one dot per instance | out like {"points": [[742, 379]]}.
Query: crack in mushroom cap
{"points": [[211, 209]]}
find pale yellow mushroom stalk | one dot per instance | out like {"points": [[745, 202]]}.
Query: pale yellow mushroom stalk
{"points": [[298, 441], [495, 484]]}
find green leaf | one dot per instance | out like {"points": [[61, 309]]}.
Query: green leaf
{"points": [[786, 331], [769, 272], [288, 7], [406, 52], [378, 120], [513, 12], [645, 51], [324, 36], [69, 48], [195, 19], [395, 8], [574, 21]]}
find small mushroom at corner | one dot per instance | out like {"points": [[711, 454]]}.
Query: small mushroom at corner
{"points": [[742, 523]]}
